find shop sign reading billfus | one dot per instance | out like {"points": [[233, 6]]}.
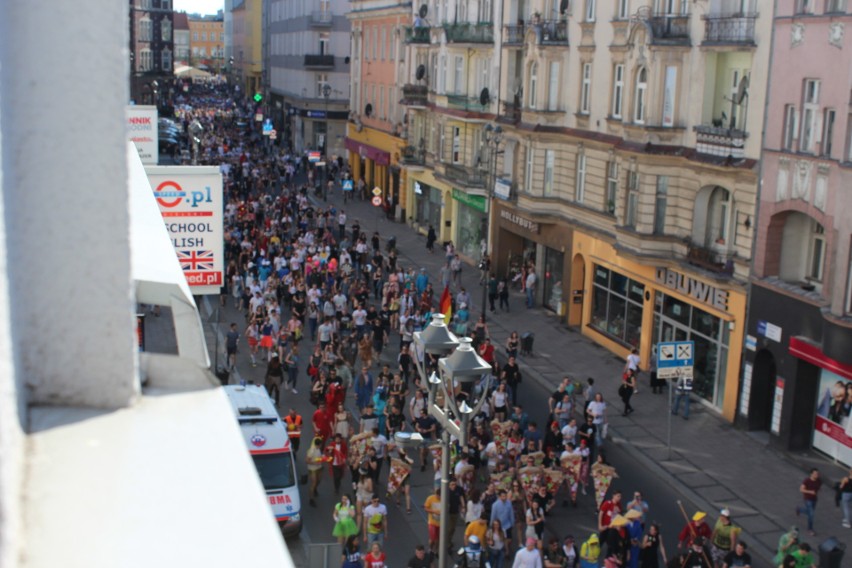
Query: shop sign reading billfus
{"points": [[190, 200]]}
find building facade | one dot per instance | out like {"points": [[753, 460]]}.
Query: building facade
{"points": [[451, 94], [617, 159], [207, 43], [797, 376], [374, 139], [247, 31], [307, 55], [151, 51], [181, 31]]}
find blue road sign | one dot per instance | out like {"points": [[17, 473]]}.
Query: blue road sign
{"points": [[348, 185], [675, 354]]}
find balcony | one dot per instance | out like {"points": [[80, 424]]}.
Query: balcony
{"points": [[511, 113], [417, 34], [482, 32], [709, 259], [414, 95], [464, 175], [552, 32], [669, 29], [729, 29], [319, 61], [321, 18], [720, 141], [464, 102], [514, 35], [411, 156]]}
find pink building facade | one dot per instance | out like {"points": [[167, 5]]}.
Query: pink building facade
{"points": [[799, 337]]}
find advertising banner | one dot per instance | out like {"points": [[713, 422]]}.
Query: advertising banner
{"points": [[143, 131], [833, 426], [190, 199]]}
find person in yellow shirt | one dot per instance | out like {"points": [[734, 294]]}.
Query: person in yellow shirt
{"points": [[433, 509], [477, 527]]}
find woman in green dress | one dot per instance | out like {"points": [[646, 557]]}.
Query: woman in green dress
{"points": [[344, 520]]}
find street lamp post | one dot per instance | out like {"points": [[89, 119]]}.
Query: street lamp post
{"points": [[326, 93], [460, 364], [493, 138]]}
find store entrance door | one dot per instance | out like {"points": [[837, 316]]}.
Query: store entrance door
{"points": [[762, 393], [669, 331]]}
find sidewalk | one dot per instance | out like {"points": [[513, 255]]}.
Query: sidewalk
{"points": [[711, 463]]}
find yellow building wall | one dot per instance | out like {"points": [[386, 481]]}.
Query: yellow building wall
{"points": [[596, 251], [385, 142], [448, 211]]}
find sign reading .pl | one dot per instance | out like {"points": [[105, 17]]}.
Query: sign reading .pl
{"points": [[675, 359], [190, 200]]}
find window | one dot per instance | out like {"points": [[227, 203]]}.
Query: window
{"points": [[384, 43], [590, 10], [485, 11], [324, 43], [810, 111], [392, 55], [849, 138], [848, 307], [553, 86], [791, 117], [533, 85], [145, 29], [458, 78], [528, 171], [146, 60], [719, 217], [641, 89], [623, 9], [828, 117], [165, 29], [816, 256], [660, 205], [804, 6], [194, 36], [442, 76], [617, 90], [580, 188], [322, 81], [632, 199], [586, 89], [166, 59], [456, 145], [833, 6], [203, 36], [549, 160], [381, 102], [617, 305], [611, 185]]}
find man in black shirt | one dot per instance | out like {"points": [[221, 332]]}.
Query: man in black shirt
{"points": [[427, 426], [512, 375], [456, 509], [421, 558]]}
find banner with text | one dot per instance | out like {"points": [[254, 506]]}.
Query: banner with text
{"points": [[833, 424], [144, 132], [190, 199]]}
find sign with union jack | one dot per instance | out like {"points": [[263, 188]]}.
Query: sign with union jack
{"points": [[196, 259], [190, 200]]}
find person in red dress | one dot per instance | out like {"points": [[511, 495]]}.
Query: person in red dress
{"points": [[376, 558]]}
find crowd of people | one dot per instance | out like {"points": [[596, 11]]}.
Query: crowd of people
{"points": [[323, 300]]}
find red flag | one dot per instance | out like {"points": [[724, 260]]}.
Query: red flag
{"points": [[445, 306]]}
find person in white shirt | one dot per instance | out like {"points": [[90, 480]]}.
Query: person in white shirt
{"points": [[632, 364], [528, 557]]}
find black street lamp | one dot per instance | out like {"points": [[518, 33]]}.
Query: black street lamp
{"points": [[493, 138], [326, 93]]}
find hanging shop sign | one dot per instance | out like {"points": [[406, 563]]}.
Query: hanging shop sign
{"points": [[473, 201], [520, 221]]}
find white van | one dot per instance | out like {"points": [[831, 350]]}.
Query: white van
{"points": [[269, 446]]}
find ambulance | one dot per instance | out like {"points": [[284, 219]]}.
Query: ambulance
{"points": [[266, 437]]}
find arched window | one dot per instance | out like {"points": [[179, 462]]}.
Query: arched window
{"points": [[719, 217], [533, 84], [639, 98]]}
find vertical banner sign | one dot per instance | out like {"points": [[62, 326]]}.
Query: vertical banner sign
{"points": [[777, 405], [745, 397], [669, 93], [833, 421], [144, 132], [190, 199]]}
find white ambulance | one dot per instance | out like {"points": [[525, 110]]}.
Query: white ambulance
{"points": [[266, 437]]}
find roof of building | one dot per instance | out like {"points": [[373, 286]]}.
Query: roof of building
{"points": [[181, 21]]}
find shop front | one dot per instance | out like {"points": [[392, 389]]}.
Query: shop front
{"points": [[623, 304], [432, 204], [471, 217], [796, 386], [521, 242], [374, 155]]}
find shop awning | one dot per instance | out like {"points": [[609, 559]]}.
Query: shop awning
{"points": [[805, 350], [380, 157]]}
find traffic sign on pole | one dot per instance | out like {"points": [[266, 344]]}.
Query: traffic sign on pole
{"points": [[675, 359], [377, 191], [348, 185], [377, 201]]}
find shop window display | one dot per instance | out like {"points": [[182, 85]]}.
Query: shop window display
{"points": [[617, 306]]}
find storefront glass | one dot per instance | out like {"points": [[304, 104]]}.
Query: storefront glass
{"points": [[469, 231], [675, 320], [553, 262], [617, 306], [428, 201]]}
